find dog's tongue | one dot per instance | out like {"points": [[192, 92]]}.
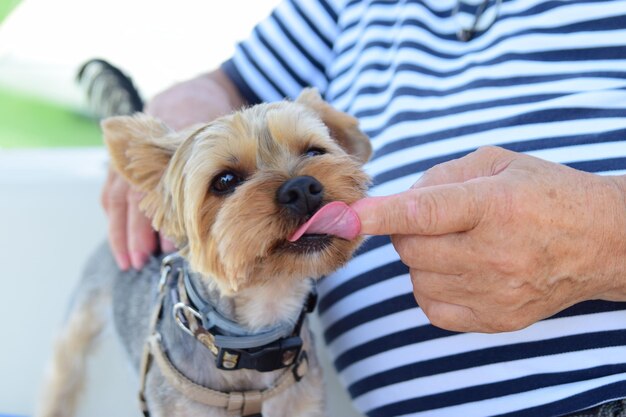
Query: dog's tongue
{"points": [[336, 218]]}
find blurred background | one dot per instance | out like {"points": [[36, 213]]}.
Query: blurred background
{"points": [[52, 166]]}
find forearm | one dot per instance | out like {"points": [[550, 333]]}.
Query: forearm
{"points": [[222, 82], [198, 100]]}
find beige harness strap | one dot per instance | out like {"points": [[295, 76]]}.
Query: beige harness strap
{"points": [[179, 381], [252, 403], [237, 403], [146, 357], [246, 403]]}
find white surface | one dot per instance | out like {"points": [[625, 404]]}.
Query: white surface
{"points": [[43, 43], [37, 167], [50, 220]]}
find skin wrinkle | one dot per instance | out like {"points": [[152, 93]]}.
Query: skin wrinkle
{"points": [[500, 165]]}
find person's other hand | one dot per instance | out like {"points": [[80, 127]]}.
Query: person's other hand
{"points": [[496, 241], [131, 236]]}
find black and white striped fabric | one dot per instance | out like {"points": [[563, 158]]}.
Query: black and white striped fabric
{"points": [[548, 78]]}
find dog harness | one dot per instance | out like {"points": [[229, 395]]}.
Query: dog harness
{"points": [[232, 346]]}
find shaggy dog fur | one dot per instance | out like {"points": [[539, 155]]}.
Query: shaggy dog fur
{"points": [[213, 190]]}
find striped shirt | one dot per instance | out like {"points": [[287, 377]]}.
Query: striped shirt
{"points": [[548, 78]]}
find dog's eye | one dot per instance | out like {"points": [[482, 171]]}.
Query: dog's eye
{"points": [[314, 151], [225, 183]]}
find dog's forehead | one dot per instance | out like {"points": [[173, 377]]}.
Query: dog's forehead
{"points": [[266, 132], [293, 122], [264, 138]]}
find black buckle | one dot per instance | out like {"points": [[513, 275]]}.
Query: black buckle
{"points": [[279, 354]]}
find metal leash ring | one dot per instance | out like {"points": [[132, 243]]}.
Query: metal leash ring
{"points": [[177, 310], [165, 272], [166, 268]]}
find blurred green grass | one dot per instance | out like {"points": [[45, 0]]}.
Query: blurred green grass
{"points": [[6, 6], [28, 122]]}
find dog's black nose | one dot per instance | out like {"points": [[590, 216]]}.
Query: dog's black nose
{"points": [[301, 195]]}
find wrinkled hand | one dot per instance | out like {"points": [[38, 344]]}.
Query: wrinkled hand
{"points": [[131, 236], [496, 241]]}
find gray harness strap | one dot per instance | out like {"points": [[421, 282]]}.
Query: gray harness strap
{"points": [[235, 336], [237, 403]]}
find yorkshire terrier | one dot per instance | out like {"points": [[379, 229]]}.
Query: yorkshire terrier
{"points": [[258, 203]]}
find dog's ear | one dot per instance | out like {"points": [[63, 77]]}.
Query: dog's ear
{"points": [[343, 127], [141, 148]]}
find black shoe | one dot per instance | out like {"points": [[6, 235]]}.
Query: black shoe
{"points": [[110, 92]]}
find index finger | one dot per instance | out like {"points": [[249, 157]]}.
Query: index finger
{"points": [[437, 210]]}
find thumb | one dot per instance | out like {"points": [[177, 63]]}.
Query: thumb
{"points": [[437, 210]]}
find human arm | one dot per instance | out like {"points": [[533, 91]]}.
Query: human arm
{"points": [[197, 100], [496, 241]]}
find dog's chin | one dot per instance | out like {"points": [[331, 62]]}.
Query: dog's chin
{"points": [[313, 255], [307, 244]]}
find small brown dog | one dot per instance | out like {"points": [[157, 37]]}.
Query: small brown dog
{"points": [[225, 336]]}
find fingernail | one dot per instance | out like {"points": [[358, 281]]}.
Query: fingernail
{"points": [[138, 259], [122, 261]]}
